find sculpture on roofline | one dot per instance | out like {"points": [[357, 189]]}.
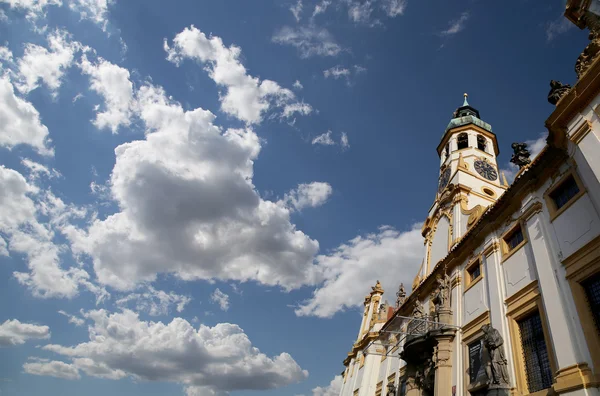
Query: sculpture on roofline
{"points": [[401, 296], [521, 155], [557, 91]]}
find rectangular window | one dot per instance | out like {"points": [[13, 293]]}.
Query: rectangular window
{"points": [[475, 349], [562, 194], [592, 294], [475, 271], [535, 353], [513, 239]]}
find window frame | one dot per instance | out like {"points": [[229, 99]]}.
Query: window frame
{"points": [[507, 252], [471, 333], [520, 305], [458, 138], [581, 266], [552, 209], [467, 272], [485, 143]]}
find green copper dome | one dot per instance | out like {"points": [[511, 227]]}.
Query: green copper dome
{"points": [[466, 114]]}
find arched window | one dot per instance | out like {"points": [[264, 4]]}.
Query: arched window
{"points": [[447, 150], [481, 143], [463, 141]]}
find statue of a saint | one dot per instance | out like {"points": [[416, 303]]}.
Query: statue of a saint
{"points": [[557, 91], [401, 296], [418, 311], [521, 155], [497, 367]]}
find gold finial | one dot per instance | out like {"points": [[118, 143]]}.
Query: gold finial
{"points": [[465, 103]]}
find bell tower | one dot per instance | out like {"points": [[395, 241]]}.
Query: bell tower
{"points": [[469, 181]]}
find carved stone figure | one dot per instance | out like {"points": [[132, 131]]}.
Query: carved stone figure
{"points": [[521, 155], [418, 311], [591, 51], [497, 367], [557, 91], [383, 311], [400, 296]]}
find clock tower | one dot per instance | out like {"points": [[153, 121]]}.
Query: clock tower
{"points": [[469, 181]]}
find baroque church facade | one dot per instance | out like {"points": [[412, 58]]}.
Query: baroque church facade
{"points": [[507, 299]]}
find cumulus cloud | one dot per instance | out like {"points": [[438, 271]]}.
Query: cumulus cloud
{"points": [[94, 10], [217, 359], [389, 255], [13, 332], [220, 298], [77, 321], [307, 195], [534, 146], [188, 206], [456, 25], [33, 9], [246, 97], [53, 368], [333, 389], [155, 302], [34, 239], [40, 64], [308, 40], [113, 84], [20, 122], [37, 170]]}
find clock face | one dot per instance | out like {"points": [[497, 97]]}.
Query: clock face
{"points": [[444, 179], [486, 170]]}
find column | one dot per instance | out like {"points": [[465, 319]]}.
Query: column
{"points": [[558, 318], [443, 366]]}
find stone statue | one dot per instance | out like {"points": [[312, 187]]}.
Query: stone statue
{"points": [[521, 155], [590, 53], [557, 91], [401, 296], [497, 367], [383, 311], [441, 298], [418, 311]]}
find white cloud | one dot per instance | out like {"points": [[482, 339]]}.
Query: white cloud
{"points": [[48, 66], [54, 368], [324, 139], [394, 8], [534, 146], [33, 9], [113, 83], [321, 7], [344, 141], [36, 170], [246, 97], [391, 256], [77, 97], [307, 195], [456, 25], [336, 72], [26, 235], [298, 85], [94, 10], [308, 40], [188, 206], [13, 332], [155, 302], [77, 321], [333, 389], [220, 298], [218, 359], [360, 12], [557, 27], [20, 121], [296, 10]]}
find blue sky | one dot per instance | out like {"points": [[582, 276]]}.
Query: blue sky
{"points": [[196, 196]]}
